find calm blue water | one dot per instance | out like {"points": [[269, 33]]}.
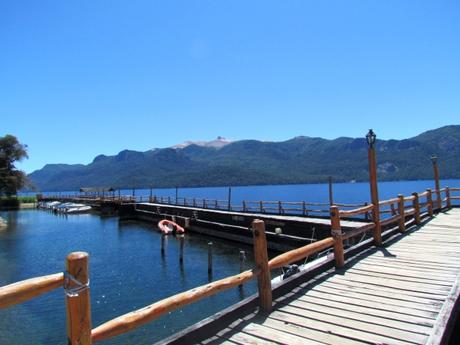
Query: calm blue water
{"points": [[127, 270], [343, 192]]}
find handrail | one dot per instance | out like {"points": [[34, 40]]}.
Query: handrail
{"points": [[388, 202], [356, 211], [300, 253], [27, 289], [129, 321], [409, 198]]}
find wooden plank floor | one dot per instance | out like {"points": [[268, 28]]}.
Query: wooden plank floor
{"points": [[393, 295]]}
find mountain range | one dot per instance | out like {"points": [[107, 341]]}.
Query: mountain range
{"points": [[250, 162]]}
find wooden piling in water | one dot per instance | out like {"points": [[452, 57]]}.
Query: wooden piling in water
{"points": [[209, 257], [242, 260], [78, 300], [163, 238], [181, 249]]}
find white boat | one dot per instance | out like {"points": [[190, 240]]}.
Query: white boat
{"points": [[77, 208]]}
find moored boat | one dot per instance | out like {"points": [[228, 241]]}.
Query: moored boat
{"points": [[168, 227]]}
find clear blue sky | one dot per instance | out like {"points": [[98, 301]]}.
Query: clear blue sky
{"points": [[81, 78]]}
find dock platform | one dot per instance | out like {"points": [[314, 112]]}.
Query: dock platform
{"points": [[401, 293]]}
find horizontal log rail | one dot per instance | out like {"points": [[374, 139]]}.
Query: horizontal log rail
{"points": [[388, 202], [356, 211], [30, 288], [134, 319], [358, 231], [300, 253]]}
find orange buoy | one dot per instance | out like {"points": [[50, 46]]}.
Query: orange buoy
{"points": [[169, 227]]}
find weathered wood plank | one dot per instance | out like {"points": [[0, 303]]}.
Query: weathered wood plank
{"points": [[248, 339], [389, 314], [382, 296], [395, 284], [429, 314], [433, 264], [347, 321], [400, 277], [406, 268], [354, 315], [309, 333], [276, 336], [336, 329], [384, 303], [364, 284]]}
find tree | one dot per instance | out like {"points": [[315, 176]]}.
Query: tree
{"points": [[11, 151]]}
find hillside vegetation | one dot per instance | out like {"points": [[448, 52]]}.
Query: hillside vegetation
{"points": [[251, 162]]}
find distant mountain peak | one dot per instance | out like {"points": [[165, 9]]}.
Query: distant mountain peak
{"points": [[217, 143]]}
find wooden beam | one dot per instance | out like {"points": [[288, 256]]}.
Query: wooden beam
{"points": [[300, 253], [78, 300], [261, 261], [27, 289], [129, 321]]}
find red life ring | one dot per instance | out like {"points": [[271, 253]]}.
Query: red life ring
{"points": [[169, 227]]}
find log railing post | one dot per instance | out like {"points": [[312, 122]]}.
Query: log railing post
{"points": [[261, 261], [336, 232], [304, 209], [244, 206], [429, 201], [78, 299], [448, 202], [402, 216], [416, 205], [280, 208], [261, 206]]}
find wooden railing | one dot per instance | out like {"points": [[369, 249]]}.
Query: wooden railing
{"points": [[400, 210], [251, 206]]}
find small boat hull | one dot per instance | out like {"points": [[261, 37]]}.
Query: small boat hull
{"points": [[168, 227]]}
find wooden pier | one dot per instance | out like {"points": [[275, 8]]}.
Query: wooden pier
{"points": [[402, 293], [400, 286]]}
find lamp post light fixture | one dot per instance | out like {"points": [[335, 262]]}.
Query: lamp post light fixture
{"points": [[434, 160], [371, 139]]}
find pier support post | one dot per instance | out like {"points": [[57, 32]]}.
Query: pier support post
{"points": [[261, 261], [163, 238], [229, 198], [429, 200], [78, 299], [448, 202], [434, 160], [331, 199], [401, 211], [209, 257], [371, 139], [242, 260], [416, 205], [336, 232], [181, 249]]}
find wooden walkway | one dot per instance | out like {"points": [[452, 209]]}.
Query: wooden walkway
{"points": [[401, 293]]}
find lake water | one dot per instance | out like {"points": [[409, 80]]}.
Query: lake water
{"points": [[126, 267], [343, 192]]}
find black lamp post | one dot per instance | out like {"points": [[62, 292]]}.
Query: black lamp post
{"points": [[371, 139], [434, 160]]}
